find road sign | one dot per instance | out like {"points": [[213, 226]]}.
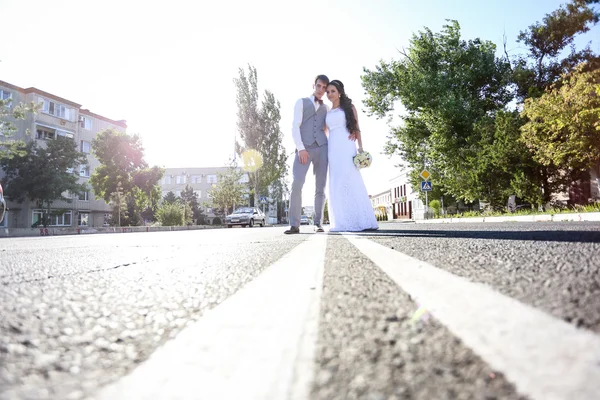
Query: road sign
{"points": [[426, 186], [425, 174]]}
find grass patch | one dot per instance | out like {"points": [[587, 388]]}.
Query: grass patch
{"points": [[588, 208]]}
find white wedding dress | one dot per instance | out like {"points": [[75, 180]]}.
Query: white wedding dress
{"points": [[350, 208]]}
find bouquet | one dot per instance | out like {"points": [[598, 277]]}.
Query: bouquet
{"points": [[363, 159]]}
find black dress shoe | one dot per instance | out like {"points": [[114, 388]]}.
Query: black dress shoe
{"points": [[319, 228], [292, 230]]}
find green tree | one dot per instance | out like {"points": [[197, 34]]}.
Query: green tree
{"points": [[563, 125], [149, 195], [190, 200], [545, 61], [10, 147], [43, 173], [259, 130], [228, 192], [170, 214], [121, 158], [448, 87], [170, 197]]}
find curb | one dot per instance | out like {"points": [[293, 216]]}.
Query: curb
{"points": [[594, 216], [32, 232]]}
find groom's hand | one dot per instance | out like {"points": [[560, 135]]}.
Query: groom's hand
{"points": [[303, 156]]}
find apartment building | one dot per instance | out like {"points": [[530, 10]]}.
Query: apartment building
{"points": [[200, 179], [60, 117]]}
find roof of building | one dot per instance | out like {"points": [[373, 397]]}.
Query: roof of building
{"points": [[28, 90]]}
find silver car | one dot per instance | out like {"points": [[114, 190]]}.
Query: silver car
{"points": [[245, 216]]}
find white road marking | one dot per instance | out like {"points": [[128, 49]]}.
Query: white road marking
{"points": [[545, 357], [258, 344]]}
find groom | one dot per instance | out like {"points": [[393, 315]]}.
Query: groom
{"points": [[308, 131]]}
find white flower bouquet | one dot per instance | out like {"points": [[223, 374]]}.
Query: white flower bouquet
{"points": [[363, 159]]}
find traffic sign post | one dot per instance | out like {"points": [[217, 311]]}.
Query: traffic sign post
{"points": [[425, 187]]}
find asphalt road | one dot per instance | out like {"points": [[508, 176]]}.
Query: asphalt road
{"points": [[78, 313]]}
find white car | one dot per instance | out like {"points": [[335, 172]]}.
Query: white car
{"points": [[304, 220]]}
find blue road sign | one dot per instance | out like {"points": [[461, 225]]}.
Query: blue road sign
{"points": [[426, 186]]}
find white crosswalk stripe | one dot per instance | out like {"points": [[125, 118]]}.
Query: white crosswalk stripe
{"points": [[546, 358], [257, 344]]}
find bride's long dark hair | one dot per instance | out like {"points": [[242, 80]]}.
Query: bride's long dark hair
{"points": [[346, 105]]}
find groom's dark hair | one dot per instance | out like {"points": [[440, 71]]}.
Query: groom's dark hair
{"points": [[322, 78]]}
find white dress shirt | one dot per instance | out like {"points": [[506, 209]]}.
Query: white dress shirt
{"points": [[298, 114]]}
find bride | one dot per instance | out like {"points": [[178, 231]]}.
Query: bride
{"points": [[350, 209]]}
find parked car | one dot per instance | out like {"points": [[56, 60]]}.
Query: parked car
{"points": [[245, 216], [304, 220], [2, 204]]}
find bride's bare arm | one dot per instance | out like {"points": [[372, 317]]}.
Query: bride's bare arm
{"points": [[356, 132]]}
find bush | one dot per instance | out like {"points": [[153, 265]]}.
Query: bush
{"points": [[170, 214], [436, 206]]}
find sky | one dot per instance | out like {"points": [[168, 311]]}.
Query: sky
{"points": [[168, 68]]}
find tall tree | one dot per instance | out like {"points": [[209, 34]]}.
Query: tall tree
{"points": [[258, 126], [170, 197], [121, 158], [449, 88], [546, 41], [190, 200], [43, 173], [542, 67], [229, 191]]}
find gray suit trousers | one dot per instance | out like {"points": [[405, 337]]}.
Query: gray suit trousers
{"points": [[317, 156]]}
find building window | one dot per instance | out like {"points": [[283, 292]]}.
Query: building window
{"points": [[85, 123], [56, 109], [4, 95], [83, 219], [55, 220], [43, 134], [196, 179], [85, 147], [64, 133], [84, 170], [211, 179], [85, 196], [178, 179]]}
